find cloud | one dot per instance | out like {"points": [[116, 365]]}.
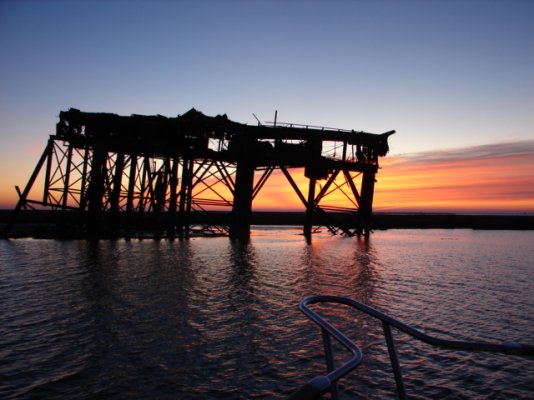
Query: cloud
{"points": [[487, 151], [487, 178]]}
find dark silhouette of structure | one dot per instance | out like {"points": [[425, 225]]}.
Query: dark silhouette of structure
{"points": [[106, 173]]}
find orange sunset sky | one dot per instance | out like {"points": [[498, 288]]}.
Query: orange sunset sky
{"points": [[481, 179], [496, 178]]}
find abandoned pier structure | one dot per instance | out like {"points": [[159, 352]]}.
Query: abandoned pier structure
{"points": [[105, 174]]}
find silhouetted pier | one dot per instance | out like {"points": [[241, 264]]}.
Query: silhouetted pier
{"points": [[103, 172]]}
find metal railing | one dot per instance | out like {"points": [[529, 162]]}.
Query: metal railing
{"points": [[322, 384]]}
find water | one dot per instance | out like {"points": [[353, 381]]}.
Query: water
{"points": [[207, 318]]}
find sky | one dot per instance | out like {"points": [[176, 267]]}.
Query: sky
{"points": [[455, 79]]}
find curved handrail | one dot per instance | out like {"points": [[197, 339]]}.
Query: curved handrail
{"points": [[321, 384], [316, 387], [507, 348]]}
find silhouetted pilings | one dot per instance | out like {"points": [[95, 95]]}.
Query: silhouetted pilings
{"points": [[109, 168], [45, 223]]}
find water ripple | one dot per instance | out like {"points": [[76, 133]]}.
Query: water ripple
{"points": [[210, 318]]}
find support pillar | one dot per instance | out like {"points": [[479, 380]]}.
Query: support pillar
{"points": [[66, 181], [46, 191], [185, 197], [310, 206], [66, 188], [131, 188], [244, 150], [114, 201], [315, 169], [366, 202], [95, 193], [242, 207], [144, 191], [173, 199], [84, 190]]}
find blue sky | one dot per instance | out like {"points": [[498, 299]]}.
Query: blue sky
{"points": [[443, 74]]}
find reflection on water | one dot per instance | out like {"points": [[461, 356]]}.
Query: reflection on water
{"points": [[212, 318]]}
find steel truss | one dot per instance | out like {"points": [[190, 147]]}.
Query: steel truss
{"points": [[101, 185]]}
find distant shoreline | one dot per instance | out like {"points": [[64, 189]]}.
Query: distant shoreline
{"points": [[36, 223], [453, 221], [383, 221]]}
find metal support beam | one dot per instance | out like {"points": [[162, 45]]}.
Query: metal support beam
{"points": [[117, 183], [84, 189], [173, 199], [131, 185], [95, 193], [185, 197], [47, 153], [366, 203], [310, 206], [66, 186], [47, 175], [114, 200], [242, 205]]}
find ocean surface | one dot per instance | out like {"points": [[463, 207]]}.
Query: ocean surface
{"points": [[209, 318]]}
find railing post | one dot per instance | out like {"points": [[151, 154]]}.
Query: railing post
{"points": [[394, 360], [329, 356]]}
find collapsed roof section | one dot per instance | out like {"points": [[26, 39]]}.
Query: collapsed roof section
{"points": [[189, 135]]}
